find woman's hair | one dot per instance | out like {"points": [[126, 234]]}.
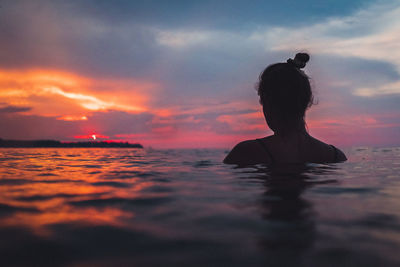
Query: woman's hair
{"points": [[285, 92]]}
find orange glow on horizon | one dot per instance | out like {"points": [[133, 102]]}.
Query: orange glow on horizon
{"points": [[84, 102], [91, 136]]}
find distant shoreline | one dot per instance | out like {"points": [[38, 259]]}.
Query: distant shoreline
{"points": [[56, 143]]}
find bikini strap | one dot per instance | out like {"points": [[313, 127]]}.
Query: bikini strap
{"points": [[266, 149]]}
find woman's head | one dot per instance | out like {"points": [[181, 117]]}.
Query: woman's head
{"points": [[285, 94]]}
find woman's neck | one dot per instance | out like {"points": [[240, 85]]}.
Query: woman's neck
{"points": [[292, 131]]}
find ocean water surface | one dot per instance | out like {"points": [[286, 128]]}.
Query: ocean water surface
{"points": [[142, 207]]}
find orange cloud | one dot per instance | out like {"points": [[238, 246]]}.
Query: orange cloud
{"points": [[72, 118], [68, 95]]}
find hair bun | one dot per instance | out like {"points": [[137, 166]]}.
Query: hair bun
{"points": [[299, 60]]}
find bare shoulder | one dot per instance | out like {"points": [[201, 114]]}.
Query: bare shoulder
{"points": [[333, 154], [340, 156], [242, 153]]}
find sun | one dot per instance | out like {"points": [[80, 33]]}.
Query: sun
{"points": [[94, 136]]}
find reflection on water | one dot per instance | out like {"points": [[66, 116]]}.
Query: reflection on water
{"points": [[290, 218], [173, 207]]}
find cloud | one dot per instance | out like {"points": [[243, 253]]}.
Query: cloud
{"points": [[180, 39], [357, 129], [386, 89], [225, 15], [72, 118], [363, 35], [14, 109], [108, 123], [55, 34], [160, 71], [90, 102], [60, 93]]}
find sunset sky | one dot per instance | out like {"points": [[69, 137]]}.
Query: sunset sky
{"points": [[180, 74]]}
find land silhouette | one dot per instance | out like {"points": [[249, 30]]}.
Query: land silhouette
{"points": [[56, 143]]}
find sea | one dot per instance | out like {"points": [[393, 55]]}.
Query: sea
{"points": [[148, 207]]}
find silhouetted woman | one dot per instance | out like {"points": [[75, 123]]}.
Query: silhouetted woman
{"points": [[285, 94]]}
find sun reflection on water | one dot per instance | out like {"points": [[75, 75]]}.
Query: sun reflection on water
{"points": [[50, 187]]}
